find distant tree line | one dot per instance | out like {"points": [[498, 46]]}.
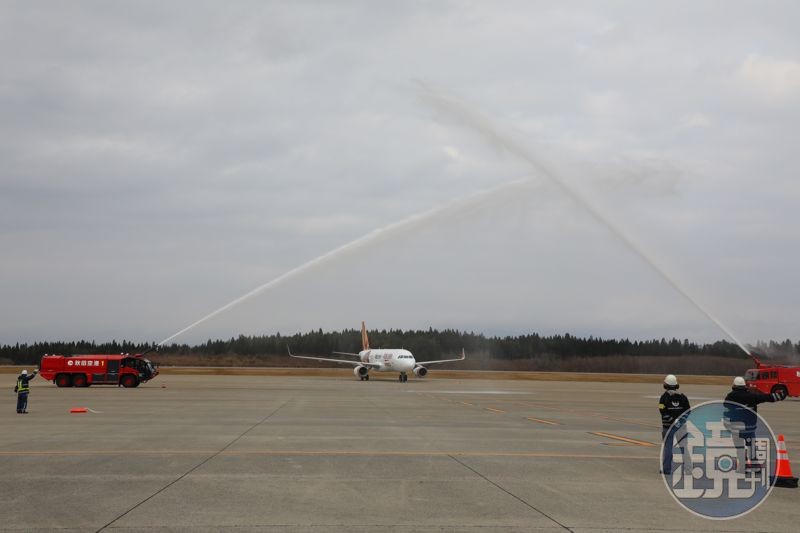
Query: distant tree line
{"points": [[425, 344]]}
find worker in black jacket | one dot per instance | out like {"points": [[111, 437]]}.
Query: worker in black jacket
{"points": [[741, 394], [22, 389], [748, 401], [671, 405]]}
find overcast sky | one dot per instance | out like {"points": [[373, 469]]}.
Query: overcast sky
{"points": [[161, 159]]}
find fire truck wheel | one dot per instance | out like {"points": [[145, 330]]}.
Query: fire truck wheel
{"points": [[781, 389], [63, 380], [79, 380], [129, 381]]}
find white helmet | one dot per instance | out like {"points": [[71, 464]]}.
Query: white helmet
{"points": [[24, 372], [738, 381], [671, 381]]}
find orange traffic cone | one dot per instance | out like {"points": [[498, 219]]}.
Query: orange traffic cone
{"points": [[783, 469]]}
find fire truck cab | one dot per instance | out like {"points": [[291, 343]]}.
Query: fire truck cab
{"points": [[84, 370], [768, 378]]}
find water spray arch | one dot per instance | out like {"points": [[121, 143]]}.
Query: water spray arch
{"points": [[485, 127]]}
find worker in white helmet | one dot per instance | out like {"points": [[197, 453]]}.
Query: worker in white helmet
{"points": [[671, 405], [22, 389], [741, 405], [751, 398]]}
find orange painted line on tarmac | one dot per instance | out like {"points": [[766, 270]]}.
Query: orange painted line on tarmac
{"points": [[621, 438], [324, 453], [494, 410], [541, 421]]}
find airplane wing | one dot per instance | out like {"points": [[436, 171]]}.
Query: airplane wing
{"points": [[347, 353], [423, 363], [332, 360]]}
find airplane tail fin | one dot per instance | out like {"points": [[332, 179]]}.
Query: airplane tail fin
{"points": [[364, 338]]}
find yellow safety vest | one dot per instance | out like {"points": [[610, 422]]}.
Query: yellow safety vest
{"points": [[23, 386]]}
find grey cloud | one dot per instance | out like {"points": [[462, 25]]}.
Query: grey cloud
{"points": [[162, 159]]}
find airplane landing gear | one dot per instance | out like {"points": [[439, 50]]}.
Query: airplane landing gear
{"points": [[403, 377], [365, 377]]}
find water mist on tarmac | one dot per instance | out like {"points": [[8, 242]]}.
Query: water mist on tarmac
{"points": [[484, 126], [414, 222]]}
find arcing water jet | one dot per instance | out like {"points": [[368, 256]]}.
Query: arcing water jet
{"points": [[406, 225], [484, 126]]}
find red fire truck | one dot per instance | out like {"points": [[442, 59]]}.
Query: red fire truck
{"points": [[84, 370], [769, 378]]}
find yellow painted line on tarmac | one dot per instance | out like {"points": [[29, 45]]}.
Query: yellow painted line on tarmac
{"points": [[494, 410], [81, 453], [628, 421], [623, 439], [320, 453], [585, 413], [541, 421]]}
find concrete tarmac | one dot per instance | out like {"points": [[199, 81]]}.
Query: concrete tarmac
{"points": [[260, 453]]}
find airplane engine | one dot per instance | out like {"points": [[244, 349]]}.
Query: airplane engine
{"points": [[420, 371], [360, 371]]}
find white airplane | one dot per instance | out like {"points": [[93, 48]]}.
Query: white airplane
{"points": [[383, 360]]}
